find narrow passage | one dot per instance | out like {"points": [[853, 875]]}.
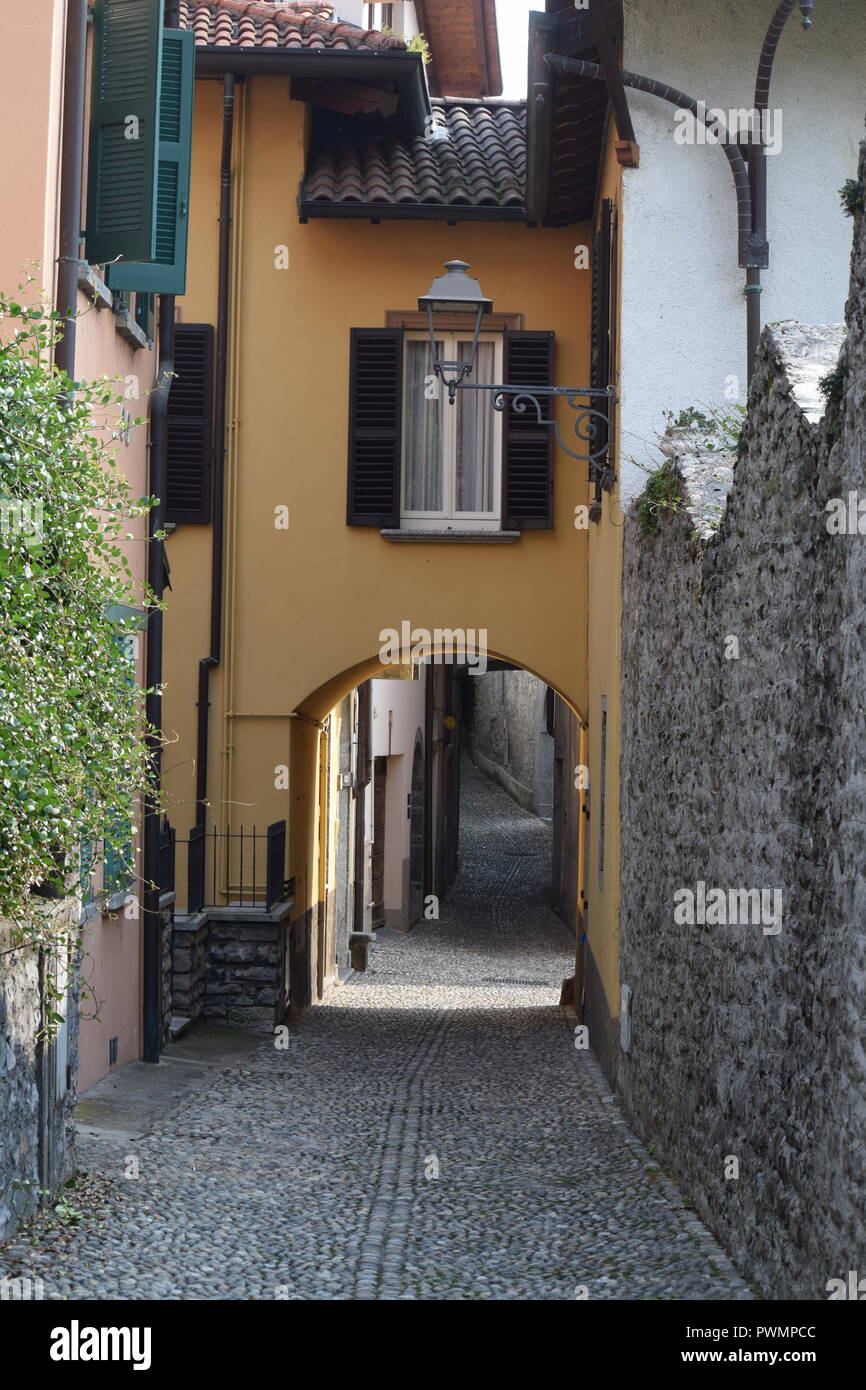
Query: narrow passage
{"points": [[431, 1133]]}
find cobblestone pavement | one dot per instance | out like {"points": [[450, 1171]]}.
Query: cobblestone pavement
{"points": [[430, 1133]]}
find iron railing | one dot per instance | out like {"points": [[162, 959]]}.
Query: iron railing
{"points": [[167, 855], [245, 867]]}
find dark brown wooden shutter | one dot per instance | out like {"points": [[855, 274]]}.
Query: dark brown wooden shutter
{"points": [[190, 429], [375, 427], [600, 362], [527, 481], [603, 343]]}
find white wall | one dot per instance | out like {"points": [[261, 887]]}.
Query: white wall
{"points": [[398, 719], [683, 310]]}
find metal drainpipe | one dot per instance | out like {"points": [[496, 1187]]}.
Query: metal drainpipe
{"points": [[150, 869], [66, 304], [213, 658], [71, 171], [152, 928], [758, 163], [732, 150], [750, 180], [427, 871]]}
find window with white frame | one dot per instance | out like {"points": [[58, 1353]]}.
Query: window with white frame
{"points": [[380, 16], [452, 475]]}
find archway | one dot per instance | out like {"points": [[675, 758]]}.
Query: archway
{"points": [[418, 759]]}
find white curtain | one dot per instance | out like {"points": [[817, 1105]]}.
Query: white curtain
{"points": [[423, 488], [475, 435]]}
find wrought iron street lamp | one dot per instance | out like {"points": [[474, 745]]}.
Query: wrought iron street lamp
{"points": [[457, 292], [454, 293]]}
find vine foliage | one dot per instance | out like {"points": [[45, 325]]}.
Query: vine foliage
{"points": [[72, 751]]}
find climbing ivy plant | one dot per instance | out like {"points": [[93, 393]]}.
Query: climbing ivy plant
{"points": [[661, 493], [71, 724]]}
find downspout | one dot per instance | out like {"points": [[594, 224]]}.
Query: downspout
{"points": [[429, 708], [71, 177], [758, 164], [66, 304], [152, 921], [151, 967], [733, 153], [207, 663], [750, 180], [359, 869]]}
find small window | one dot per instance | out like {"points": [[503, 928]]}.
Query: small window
{"points": [[380, 16], [451, 454]]}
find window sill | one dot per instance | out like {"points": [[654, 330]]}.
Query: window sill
{"points": [[96, 290], [129, 329], [408, 537], [115, 901]]}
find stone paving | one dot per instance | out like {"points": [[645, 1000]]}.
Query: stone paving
{"points": [[430, 1133]]}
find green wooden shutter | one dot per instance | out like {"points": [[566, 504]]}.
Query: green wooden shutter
{"points": [[121, 174], [166, 274], [118, 872]]}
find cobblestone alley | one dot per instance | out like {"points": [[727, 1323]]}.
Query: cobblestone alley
{"points": [[431, 1133]]}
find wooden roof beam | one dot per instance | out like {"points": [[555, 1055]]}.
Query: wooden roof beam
{"points": [[627, 147]]}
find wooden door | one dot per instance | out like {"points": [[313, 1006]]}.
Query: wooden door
{"points": [[380, 775]]}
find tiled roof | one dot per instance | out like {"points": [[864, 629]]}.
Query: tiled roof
{"points": [[269, 24], [481, 163]]}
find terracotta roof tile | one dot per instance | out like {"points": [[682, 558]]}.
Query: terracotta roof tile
{"points": [[481, 163], [278, 24]]}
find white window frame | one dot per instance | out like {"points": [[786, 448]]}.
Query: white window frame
{"points": [[376, 16], [449, 519]]}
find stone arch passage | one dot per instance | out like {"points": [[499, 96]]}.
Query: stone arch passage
{"points": [[306, 730]]}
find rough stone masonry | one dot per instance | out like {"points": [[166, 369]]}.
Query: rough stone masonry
{"points": [[36, 1129], [748, 771]]}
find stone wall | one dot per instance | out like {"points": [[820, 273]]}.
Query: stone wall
{"points": [[229, 966], [508, 740], [744, 767], [37, 1083], [189, 957], [19, 1095]]}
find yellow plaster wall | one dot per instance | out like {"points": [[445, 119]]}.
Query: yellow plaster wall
{"points": [[605, 613], [304, 607]]}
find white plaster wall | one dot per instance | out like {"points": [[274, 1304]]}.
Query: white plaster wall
{"points": [[404, 699], [683, 311]]}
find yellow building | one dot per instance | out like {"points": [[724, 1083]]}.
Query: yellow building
{"points": [[342, 496]]}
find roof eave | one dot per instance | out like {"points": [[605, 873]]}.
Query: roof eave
{"points": [[539, 116], [491, 44], [405, 69], [409, 212], [570, 33]]}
